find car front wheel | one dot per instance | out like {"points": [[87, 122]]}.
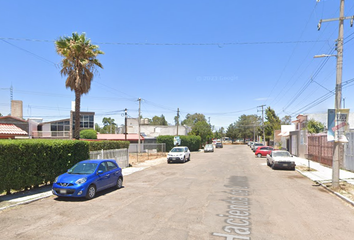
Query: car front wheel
{"points": [[259, 155], [91, 192]]}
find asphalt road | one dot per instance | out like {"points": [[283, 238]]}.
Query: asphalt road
{"points": [[228, 194]]}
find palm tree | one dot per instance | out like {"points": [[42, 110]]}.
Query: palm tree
{"points": [[79, 65]]}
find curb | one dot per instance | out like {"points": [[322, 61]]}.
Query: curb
{"points": [[27, 201], [330, 190]]}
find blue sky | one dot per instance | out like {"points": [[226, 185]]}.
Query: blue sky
{"points": [[220, 58]]}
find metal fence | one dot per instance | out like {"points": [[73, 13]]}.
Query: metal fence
{"points": [[120, 155], [147, 147], [320, 150], [349, 152]]}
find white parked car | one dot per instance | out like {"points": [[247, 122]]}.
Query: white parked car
{"points": [[209, 148], [256, 145], [179, 154], [281, 159]]}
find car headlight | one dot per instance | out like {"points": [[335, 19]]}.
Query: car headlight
{"points": [[81, 181], [55, 180]]}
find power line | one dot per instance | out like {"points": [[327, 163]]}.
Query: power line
{"points": [[292, 53], [322, 98], [31, 53], [173, 44]]}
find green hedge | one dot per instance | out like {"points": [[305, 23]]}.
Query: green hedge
{"points": [[106, 145], [192, 142], [26, 163]]}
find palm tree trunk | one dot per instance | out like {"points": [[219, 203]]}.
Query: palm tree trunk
{"points": [[77, 115]]}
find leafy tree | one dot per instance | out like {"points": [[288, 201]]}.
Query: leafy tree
{"points": [[109, 126], [88, 134], [98, 128], [314, 126], [176, 118], [79, 65], [219, 133], [156, 120], [202, 129], [231, 131], [272, 123], [286, 120], [245, 127], [192, 119]]}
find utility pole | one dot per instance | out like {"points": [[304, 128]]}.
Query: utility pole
{"points": [[177, 119], [254, 133], [125, 123], [139, 129], [338, 95], [262, 123]]}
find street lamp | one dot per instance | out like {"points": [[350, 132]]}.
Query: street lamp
{"points": [[325, 55]]}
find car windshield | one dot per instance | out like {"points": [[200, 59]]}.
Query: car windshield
{"points": [[281, 154], [83, 168], [209, 145], [177, 150]]}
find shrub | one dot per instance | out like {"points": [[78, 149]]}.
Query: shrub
{"points": [[27, 163], [192, 142], [167, 139], [106, 145], [88, 134]]}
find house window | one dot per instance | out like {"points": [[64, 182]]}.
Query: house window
{"points": [[86, 121], [58, 129]]}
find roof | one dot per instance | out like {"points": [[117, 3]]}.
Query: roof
{"points": [[284, 134], [11, 129], [15, 118], [120, 137]]}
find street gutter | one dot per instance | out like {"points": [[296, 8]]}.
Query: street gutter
{"points": [[330, 190]]}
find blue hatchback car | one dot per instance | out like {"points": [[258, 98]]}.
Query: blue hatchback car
{"points": [[88, 177]]}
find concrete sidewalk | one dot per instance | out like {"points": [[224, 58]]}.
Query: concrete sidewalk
{"points": [[25, 197], [322, 174]]}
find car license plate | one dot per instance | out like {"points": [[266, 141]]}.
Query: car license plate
{"points": [[62, 191], [285, 165]]}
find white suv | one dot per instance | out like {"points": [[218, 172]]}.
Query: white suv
{"points": [[179, 154]]}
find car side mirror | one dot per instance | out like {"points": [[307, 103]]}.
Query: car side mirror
{"points": [[100, 172]]}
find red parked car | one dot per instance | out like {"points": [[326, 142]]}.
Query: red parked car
{"points": [[262, 151]]}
